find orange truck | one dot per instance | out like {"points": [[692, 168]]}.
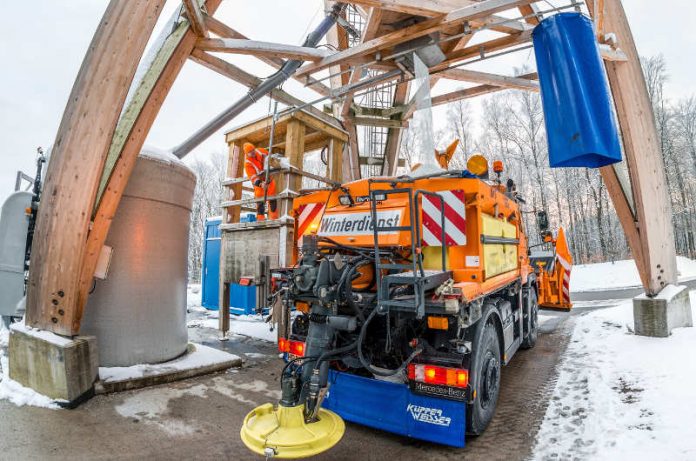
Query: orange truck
{"points": [[411, 295]]}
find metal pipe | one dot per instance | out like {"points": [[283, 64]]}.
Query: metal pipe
{"points": [[268, 85]]}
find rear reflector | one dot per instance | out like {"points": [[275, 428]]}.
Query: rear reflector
{"points": [[438, 323], [442, 376]]}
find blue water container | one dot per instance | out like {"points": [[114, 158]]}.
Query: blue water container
{"points": [[581, 126], [242, 299], [249, 217]]}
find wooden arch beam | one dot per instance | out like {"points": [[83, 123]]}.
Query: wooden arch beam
{"points": [[128, 140], [649, 230], [77, 160]]}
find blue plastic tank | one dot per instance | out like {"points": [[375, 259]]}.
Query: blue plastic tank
{"points": [[581, 125]]}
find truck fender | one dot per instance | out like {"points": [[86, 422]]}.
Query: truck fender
{"points": [[489, 311]]}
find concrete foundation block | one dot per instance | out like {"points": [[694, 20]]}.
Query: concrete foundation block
{"points": [[61, 368], [658, 316]]}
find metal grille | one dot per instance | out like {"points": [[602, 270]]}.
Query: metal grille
{"points": [[372, 140]]}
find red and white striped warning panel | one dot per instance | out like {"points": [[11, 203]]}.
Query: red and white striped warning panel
{"points": [[455, 219], [566, 277], [308, 215]]}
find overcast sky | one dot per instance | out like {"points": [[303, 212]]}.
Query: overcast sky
{"points": [[43, 46]]}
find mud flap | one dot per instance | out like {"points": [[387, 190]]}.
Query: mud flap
{"points": [[394, 408]]}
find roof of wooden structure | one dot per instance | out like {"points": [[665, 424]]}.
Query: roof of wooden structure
{"points": [[318, 133], [367, 50]]}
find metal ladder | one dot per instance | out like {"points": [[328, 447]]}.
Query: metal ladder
{"points": [[412, 273]]}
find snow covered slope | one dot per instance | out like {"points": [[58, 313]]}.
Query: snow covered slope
{"points": [[620, 396], [619, 274]]}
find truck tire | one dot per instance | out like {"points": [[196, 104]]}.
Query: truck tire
{"points": [[485, 374], [532, 320]]}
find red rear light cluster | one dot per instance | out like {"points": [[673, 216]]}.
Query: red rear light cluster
{"points": [[443, 376], [296, 348]]}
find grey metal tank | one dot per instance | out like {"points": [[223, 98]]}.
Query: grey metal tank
{"points": [[138, 313], [14, 223]]}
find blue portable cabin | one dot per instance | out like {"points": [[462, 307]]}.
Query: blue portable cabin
{"points": [[210, 275]]}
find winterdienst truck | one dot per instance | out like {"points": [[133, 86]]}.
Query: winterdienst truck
{"points": [[410, 295]]}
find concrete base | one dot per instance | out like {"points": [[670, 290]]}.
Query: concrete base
{"points": [[198, 360], [658, 316], [60, 368]]}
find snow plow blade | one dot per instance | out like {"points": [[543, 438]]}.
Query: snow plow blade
{"points": [[553, 272], [282, 432]]}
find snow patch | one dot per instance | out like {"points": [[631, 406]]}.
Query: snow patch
{"points": [[619, 274], [247, 325], [194, 299], [161, 155], [253, 326], [43, 335], [201, 356], [667, 293], [152, 407], [622, 396], [13, 391]]}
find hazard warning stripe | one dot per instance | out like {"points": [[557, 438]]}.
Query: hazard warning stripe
{"points": [[566, 277], [566, 265], [308, 214], [455, 221], [566, 286]]}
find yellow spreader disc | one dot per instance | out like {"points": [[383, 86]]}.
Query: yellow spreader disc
{"points": [[284, 430]]}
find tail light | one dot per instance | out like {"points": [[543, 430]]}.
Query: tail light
{"points": [[296, 348], [283, 345], [441, 376]]}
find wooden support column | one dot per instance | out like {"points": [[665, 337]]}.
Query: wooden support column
{"points": [[652, 221], [235, 169], [128, 140], [294, 151], [77, 160], [351, 161], [334, 170]]}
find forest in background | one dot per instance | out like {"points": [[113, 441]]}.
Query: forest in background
{"points": [[509, 126]]}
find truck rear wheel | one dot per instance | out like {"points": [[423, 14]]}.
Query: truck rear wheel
{"points": [[532, 320], [486, 378]]}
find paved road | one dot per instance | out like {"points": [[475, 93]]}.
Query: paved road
{"points": [[619, 293], [200, 418]]}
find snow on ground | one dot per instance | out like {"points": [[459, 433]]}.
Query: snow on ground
{"points": [[194, 299], [619, 274], [12, 390], [247, 325], [621, 396], [200, 356]]}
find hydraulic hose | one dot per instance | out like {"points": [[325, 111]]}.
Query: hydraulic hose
{"points": [[368, 366], [346, 288], [340, 350]]}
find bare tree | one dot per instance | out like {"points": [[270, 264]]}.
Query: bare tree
{"points": [[210, 173]]}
